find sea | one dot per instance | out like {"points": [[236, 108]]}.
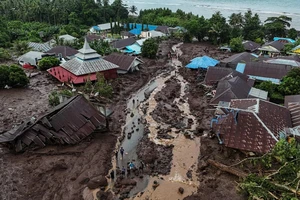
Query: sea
{"points": [[264, 8]]}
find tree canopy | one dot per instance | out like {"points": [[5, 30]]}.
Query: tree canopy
{"points": [[13, 76], [149, 48], [48, 62]]}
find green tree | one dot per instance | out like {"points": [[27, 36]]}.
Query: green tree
{"points": [[197, 27], [133, 9], [4, 55], [13, 76], [102, 87], [48, 62], [219, 29], [236, 44], [236, 22], [149, 48], [4, 76], [252, 28], [292, 33], [102, 47], [277, 26], [21, 47], [290, 84]]}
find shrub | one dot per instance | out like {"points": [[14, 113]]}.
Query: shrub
{"points": [[236, 44], [13, 76], [102, 87], [53, 98], [149, 48], [48, 62]]}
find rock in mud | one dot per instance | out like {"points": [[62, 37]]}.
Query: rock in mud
{"points": [[97, 183], [104, 195], [181, 190]]}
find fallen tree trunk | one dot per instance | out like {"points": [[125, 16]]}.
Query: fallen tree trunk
{"points": [[228, 169]]}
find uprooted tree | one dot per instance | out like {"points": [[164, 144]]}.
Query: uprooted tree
{"points": [[275, 175]]}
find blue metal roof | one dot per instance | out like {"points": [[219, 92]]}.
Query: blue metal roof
{"points": [[273, 80], [202, 62], [134, 48], [96, 28], [240, 67], [135, 31], [139, 26], [286, 39]]}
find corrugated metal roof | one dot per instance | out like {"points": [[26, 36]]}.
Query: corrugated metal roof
{"points": [[250, 46], [80, 67], [57, 126], [42, 47], [292, 102], [258, 93], [267, 70], [253, 125]]}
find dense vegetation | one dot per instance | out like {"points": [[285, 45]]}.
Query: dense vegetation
{"points": [[149, 48], [278, 173], [12, 76], [48, 62], [290, 85]]}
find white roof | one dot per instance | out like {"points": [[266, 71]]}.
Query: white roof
{"points": [[82, 67], [67, 37], [43, 47], [156, 33], [105, 26], [31, 57], [254, 92], [141, 41]]}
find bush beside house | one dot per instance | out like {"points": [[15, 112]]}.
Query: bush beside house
{"points": [[13, 76], [48, 62]]}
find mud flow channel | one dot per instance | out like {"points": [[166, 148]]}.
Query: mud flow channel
{"points": [[185, 149]]}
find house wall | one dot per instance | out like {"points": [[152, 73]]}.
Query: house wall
{"points": [[110, 74]]}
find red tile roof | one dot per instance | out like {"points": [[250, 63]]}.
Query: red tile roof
{"points": [[253, 125]]}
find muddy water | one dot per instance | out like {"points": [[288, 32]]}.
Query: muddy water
{"points": [[185, 151]]}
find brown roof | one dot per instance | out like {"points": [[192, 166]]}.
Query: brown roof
{"points": [[234, 88], [215, 74], [269, 70], [120, 44], [127, 33], [244, 57], [292, 102], [92, 37], [250, 46], [123, 61], [163, 29], [276, 44], [57, 127], [253, 124], [65, 51]]}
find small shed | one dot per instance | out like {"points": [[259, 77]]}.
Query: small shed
{"points": [[126, 63]]}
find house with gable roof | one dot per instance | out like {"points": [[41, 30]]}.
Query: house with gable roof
{"points": [[86, 64], [253, 125]]}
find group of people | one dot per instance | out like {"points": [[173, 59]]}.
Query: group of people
{"points": [[130, 167]]}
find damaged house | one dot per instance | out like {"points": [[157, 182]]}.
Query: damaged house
{"points": [[67, 123], [253, 125]]}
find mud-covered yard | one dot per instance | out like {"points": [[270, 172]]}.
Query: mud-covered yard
{"points": [[63, 172]]}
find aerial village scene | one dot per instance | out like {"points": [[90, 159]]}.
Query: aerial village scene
{"points": [[105, 100]]}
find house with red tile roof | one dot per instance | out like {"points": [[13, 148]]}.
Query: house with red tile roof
{"points": [[253, 125]]}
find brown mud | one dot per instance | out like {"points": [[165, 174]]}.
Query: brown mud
{"points": [[73, 172]]}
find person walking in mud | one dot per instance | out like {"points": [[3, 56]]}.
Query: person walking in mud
{"points": [[122, 152], [112, 174], [123, 171], [116, 154]]}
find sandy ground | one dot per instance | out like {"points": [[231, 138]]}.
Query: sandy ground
{"points": [[63, 172]]}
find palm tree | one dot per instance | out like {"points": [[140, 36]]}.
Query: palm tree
{"points": [[133, 9]]}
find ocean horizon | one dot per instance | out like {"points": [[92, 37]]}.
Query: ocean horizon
{"points": [[207, 8]]}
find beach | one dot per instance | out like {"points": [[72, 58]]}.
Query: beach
{"points": [[206, 8]]}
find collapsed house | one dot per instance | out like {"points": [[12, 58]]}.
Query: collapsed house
{"points": [[253, 125], [67, 123]]}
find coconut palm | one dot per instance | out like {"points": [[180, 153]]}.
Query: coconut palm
{"points": [[133, 9]]}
